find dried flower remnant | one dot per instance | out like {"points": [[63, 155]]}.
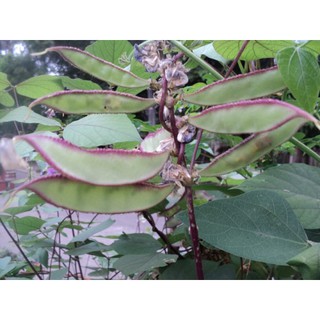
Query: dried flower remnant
{"points": [[149, 56], [174, 72]]}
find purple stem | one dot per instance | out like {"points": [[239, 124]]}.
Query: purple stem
{"points": [[235, 61]]}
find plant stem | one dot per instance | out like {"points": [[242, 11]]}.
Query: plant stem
{"points": [[20, 249], [235, 61], [162, 103], [200, 61], [162, 236], [194, 234], [305, 149]]}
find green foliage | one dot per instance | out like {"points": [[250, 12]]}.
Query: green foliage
{"points": [[217, 206]]}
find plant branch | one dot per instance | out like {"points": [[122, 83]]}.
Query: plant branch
{"points": [[163, 237], [235, 61], [197, 59], [194, 234], [305, 149], [20, 249]]}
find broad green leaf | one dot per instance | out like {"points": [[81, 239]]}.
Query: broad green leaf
{"points": [[41, 256], [209, 51], [6, 266], [251, 116], [94, 101], [20, 209], [99, 68], [25, 225], [73, 84], [58, 274], [137, 263], [87, 233], [88, 248], [4, 82], [308, 263], [136, 243], [301, 73], [100, 130], [110, 50], [6, 99], [26, 115], [298, 183], [258, 225], [76, 195], [242, 87], [256, 49], [39, 86]]}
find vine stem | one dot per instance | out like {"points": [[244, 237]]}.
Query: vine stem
{"points": [[194, 234], [235, 61], [20, 249], [201, 62], [305, 149]]}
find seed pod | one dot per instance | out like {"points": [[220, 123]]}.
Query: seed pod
{"points": [[94, 101], [242, 87], [156, 141], [99, 166], [76, 195], [251, 149], [248, 116], [99, 68]]}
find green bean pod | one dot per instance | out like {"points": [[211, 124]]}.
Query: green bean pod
{"points": [[76, 195], [94, 101], [241, 87], [100, 166], [251, 116], [251, 149], [99, 68], [154, 141]]}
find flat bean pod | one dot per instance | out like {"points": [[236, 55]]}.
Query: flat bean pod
{"points": [[76, 195], [251, 149], [100, 166], [241, 87], [152, 142], [94, 101], [248, 116], [99, 68]]}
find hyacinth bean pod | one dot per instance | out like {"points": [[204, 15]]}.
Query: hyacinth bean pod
{"points": [[99, 68], [248, 116], [153, 141], [251, 149], [76, 195], [100, 166], [241, 87], [94, 101]]}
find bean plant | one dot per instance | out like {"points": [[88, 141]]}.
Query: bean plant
{"points": [[227, 216]]}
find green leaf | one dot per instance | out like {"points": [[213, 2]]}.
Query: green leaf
{"points": [[80, 84], [308, 263], [26, 224], [4, 82], [136, 243], [258, 225], [88, 248], [6, 99], [301, 73], [256, 49], [298, 183], [58, 274], [185, 270], [39, 86], [42, 256], [84, 235], [25, 115], [101, 129], [137, 263], [209, 51], [110, 50]]}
